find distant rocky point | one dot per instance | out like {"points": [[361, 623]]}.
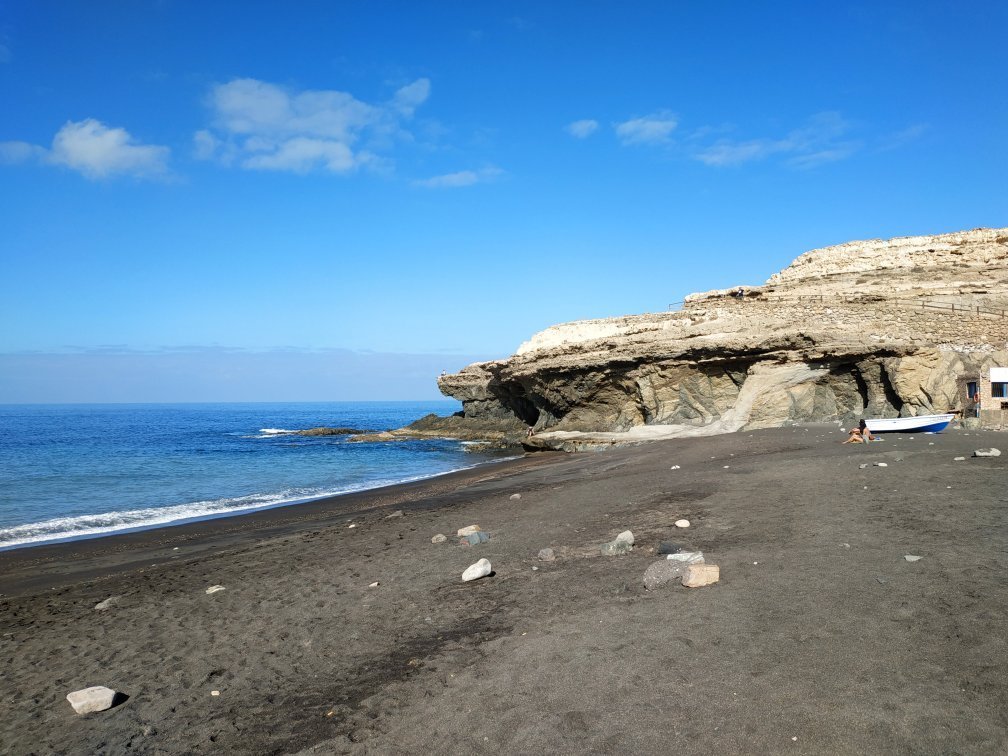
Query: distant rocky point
{"points": [[871, 328], [323, 431]]}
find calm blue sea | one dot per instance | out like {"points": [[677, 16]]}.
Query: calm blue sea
{"points": [[70, 471]]}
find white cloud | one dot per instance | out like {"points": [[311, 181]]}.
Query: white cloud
{"points": [[460, 178], [95, 150], [20, 152], [820, 140], [651, 129], [583, 128], [98, 151], [267, 127], [412, 96]]}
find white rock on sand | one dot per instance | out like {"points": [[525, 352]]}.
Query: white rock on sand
{"points": [[439, 538], [686, 557], [514, 497], [476, 571], [101, 606], [987, 452], [699, 575], [626, 536], [912, 557], [467, 530], [95, 698], [215, 589], [682, 523]]}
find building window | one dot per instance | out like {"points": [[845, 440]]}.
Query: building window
{"points": [[999, 390], [971, 389]]}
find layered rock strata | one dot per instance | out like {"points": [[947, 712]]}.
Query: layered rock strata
{"points": [[875, 328]]}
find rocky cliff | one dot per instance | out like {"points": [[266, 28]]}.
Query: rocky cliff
{"points": [[872, 328]]}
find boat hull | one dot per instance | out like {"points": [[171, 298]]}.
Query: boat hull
{"points": [[919, 424]]}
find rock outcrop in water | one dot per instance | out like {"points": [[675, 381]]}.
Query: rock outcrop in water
{"points": [[876, 328]]}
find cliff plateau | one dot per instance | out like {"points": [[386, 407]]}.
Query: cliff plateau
{"points": [[871, 328]]}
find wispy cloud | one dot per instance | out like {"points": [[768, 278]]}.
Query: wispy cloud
{"points": [[656, 128], [460, 178], [262, 126], [95, 150], [823, 139], [583, 128]]}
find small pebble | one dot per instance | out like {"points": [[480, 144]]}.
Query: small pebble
{"points": [[439, 538], [912, 558], [354, 525], [881, 464], [375, 584], [515, 496], [682, 523], [214, 692], [534, 568], [215, 589], [675, 467]]}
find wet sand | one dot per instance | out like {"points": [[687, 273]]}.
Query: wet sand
{"points": [[819, 638]]}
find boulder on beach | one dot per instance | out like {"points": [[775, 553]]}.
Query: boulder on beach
{"points": [[88, 700], [439, 538], [616, 548], [467, 530], [663, 571], [987, 452], [626, 536], [475, 539], [476, 571], [546, 555], [699, 575]]}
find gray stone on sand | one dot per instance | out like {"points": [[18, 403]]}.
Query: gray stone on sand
{"points": [[616, 548], [514, 497], [992, 452], [667, 547], [475, 539], [663, 571], [626, 536], [95, 698], [439, 538], [863, 465], [912, 557], [394, 515], [101, 606], [546, 555], [699, 575], [959, 459], [467, 530], [476, 571]]}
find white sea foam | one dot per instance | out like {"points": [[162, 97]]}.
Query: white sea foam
{"points": [[276, 431], [105, 523]]}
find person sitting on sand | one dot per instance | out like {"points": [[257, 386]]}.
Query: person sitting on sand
{"points": [[854, 437], [866, 434]]}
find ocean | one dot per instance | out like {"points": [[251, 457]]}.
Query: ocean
{"points": [[74, 471]]}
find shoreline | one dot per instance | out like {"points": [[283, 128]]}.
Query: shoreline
{"points": [[820, 636], [84, 556], [237, 512]]}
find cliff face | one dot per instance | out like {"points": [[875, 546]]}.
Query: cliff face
{"points": [[860, 329]]}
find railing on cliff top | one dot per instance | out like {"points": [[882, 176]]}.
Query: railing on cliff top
{"points": [[921, 303]]}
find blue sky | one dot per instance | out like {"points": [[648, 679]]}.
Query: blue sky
{"points": [[250, 197]]}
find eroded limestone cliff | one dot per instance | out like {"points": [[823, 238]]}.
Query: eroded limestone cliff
{"points": [[873, 328]]}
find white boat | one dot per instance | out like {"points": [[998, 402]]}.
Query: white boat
{"points": [[919, 424]]}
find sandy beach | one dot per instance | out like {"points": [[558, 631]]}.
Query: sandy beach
{"points": [[819, 638]]}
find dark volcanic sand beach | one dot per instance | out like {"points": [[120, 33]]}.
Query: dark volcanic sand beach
{"points": [[819, 638]]}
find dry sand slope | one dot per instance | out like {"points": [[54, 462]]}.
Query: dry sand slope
{"points": [[819, 638]]}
